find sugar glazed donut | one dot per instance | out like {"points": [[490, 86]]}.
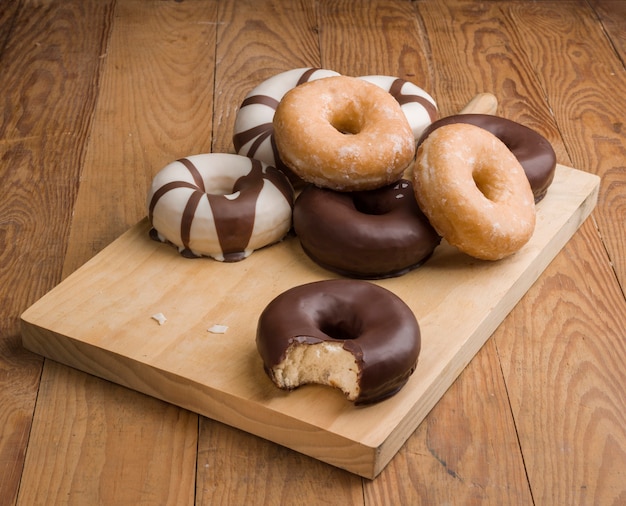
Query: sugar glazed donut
{"points": [[369, 235], [533, 151], [417, 105], [220, 205], [343, 133], [254, 133], [348, 334], [474, 191]]}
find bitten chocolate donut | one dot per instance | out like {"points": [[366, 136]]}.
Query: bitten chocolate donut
{"points": [[531, 149], [343, 133], [371, 234], [220, 205], [254, 133], [417, 105], [348, 334], [474, 191]]}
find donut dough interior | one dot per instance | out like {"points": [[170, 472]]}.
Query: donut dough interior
{"points": [[325, 363]]}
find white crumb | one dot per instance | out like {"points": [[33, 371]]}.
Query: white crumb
{"points": [[159, 317], [218, 329]]}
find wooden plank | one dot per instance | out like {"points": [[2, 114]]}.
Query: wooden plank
{"points": [[564, 347], [388, 32], [272, 36], [590, 111], [239, 468], [563, 359], [464, 452], [156, 91], [43, 127], [108, 331], [102, 444], [612, 16]]}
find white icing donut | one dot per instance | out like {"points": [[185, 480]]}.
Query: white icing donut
{"points": [[219, 205], [253, 133], [418, 106]]}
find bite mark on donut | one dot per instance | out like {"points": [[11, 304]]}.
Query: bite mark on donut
{"points": [[326, 363]]}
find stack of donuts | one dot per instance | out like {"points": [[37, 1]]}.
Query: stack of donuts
{"points": [[380, 181]]}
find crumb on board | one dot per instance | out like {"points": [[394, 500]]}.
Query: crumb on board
{"points": [[218, 329], [159, 317]]}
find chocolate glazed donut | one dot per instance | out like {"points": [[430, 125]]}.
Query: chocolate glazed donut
{"points": [[369, 234], [374, 337], [533, 151]]}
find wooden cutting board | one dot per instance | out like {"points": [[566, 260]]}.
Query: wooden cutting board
{"points": [[99, 320]]}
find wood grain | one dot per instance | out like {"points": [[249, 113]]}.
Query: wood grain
{"points": [[156, 50], [590, 111], [239, 468], [82, 438], [156, 90], [273, 37], [466, 451], [388, 32], [555, 64], [49, 57], [559, 369]]}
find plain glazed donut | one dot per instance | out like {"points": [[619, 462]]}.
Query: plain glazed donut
{"points": [[348, 334], [474, 191], [417, 105], [532, 150], [343, 133], [220, 205], [370, 235], [254, 133]]}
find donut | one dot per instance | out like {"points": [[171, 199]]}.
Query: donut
{"points": [[349, 334], [343, 133], [253, 132], [532, 150], [219, 205], [474, 191], [417, 105], [369, 235]]}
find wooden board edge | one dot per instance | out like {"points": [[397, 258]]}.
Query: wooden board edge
{"points": [[295, 434], [414, 417]]}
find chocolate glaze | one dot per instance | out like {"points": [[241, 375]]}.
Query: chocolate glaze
{"points": [[373, 324], [234, 219], [533, 151], [370, 234]]}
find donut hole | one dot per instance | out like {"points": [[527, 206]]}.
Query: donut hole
{"points": [[347, 125], [340, 330], [347, 119], [220, 185], [485, 183], [370, 206]]}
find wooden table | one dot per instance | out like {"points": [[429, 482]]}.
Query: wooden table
{"points": [[99, 95]]}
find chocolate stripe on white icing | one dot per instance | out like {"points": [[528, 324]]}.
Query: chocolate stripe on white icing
{"points": [[195, 174], [242, 138], [306, 76], [163, 190], [270, 102], [188, 216], [234, 234], [396, 92]]}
